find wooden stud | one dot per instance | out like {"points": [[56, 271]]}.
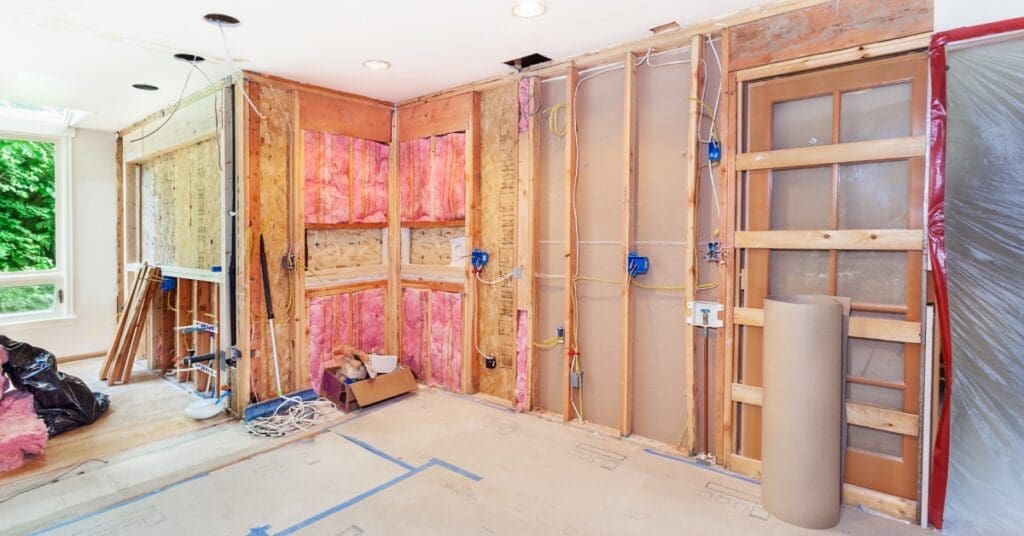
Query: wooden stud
{"points": [[527, 249], [572, 80], [839, 153], [861, 327], [470, 362], [689, 439], [725, 350], [122, 325], [394, 263], [297, 158], [629, 180], [859, 239]]}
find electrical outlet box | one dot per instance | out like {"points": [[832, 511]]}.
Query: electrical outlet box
{"points": [[517, 272], [637, 264], [479, 259], [575, 380], [704, 314]]}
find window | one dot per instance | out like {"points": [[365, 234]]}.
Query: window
{"points": [[33, 217]]}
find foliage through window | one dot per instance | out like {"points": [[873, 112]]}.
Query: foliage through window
{"points": [[30, 279]]}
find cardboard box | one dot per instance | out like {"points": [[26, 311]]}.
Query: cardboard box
{"points": [[366, 392]]}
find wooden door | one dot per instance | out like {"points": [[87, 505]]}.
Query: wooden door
{"points": [[832, 203]]}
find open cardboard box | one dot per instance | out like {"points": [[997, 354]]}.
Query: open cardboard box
{"points": [[369, 391]]}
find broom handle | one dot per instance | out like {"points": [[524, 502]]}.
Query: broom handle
{"points": [[268, 300]]}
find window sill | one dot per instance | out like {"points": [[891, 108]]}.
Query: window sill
{"points": [[38, 322]]}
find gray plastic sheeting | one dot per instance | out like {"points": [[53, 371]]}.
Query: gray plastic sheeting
{"points": [[985, 245]]}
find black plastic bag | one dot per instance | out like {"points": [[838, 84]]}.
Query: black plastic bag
{"points": [[64, 402]]}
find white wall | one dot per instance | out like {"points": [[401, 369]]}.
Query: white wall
{"points": [[951, 14], [94, 252]]}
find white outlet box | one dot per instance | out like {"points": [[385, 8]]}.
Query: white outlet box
{"points": [[704, 314]]}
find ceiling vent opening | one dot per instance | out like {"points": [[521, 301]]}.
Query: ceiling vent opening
{"points": [[667, 27], [527, 61]]}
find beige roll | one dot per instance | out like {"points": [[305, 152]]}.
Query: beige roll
{"points": [[801, 437]]}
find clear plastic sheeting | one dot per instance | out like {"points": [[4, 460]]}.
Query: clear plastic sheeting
{"points": [[984, 202]]}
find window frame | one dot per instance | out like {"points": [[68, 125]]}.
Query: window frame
{"points": [[61, 275]]}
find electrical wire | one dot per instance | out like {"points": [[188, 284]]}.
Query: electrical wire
{"points": [[234, 70], [497, 281], [177, 105], [301, 416], [53, 480]]}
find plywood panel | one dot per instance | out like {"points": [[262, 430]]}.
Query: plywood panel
{"points": [[499, 171], [434, 117], [598, 206], [824, 28], [343, 248], [551, 248], [344, 116], [433, 245], [181, 199], [659, 399]]}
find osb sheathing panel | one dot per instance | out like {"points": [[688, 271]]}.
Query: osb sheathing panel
{"points": [[343, 248], [659, 397], [826, 27], [499, 169], [550, 307], [599, 210], [181, 199], [269, 211], [432, 246]]}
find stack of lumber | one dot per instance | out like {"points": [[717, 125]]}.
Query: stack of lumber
{"points": [[130, 325]]}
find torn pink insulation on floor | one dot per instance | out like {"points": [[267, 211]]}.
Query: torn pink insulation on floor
{"points": [[522, 378], [414, 318], [329, 321], [370, 181], [448, 180], [368, 321], [22, 432], [326, 165], [446, 340], [414, 173]]}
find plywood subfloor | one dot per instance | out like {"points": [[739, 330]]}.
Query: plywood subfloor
{"points": [[145, 410], [434, 463]]}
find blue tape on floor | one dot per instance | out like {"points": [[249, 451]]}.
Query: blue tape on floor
{"points": [[265, 529], [122, 503], [270, 406], [699, 465], [378, 452]]}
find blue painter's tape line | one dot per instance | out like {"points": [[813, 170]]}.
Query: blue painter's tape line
{"points": [[260, 531], [122, 503], [354, 500], [268, 407], [379, 452], [455, 469], [699, 465]]}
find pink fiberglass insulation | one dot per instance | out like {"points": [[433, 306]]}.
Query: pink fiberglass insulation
{"points": [[446, 340], [327, 170], [524, 105], [370, 181], [414, 172], [368, 321], [329, 319], [448, 181], [521, 373], [22, 432], [414, 318]]}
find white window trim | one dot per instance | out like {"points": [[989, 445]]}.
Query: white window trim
{"points": [[61, 276]]}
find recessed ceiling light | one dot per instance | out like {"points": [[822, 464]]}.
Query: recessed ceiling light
{"points": [[528, 9], [376, 65], [220, 19], [145, 87], [191, 58]]}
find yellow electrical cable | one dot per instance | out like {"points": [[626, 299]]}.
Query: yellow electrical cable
{"points": [[554, 113], [549, 343], [598, 280]]}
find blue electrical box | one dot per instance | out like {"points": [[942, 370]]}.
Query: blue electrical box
{"points": [[479, 259], [637, 265], [168, 284], [714, 151]]}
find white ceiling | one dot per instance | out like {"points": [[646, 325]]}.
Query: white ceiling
{"points": [[86, 54]]}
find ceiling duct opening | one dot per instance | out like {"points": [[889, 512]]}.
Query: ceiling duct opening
{"points": [[527, 61]]}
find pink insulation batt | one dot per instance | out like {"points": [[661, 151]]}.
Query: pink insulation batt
{"points": [[22, 432], [370, 181], [448, 179], [446, 340], [414, 175], [414, 318], [329, 321], [368, 321], [522, 343], [326, 165]]}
